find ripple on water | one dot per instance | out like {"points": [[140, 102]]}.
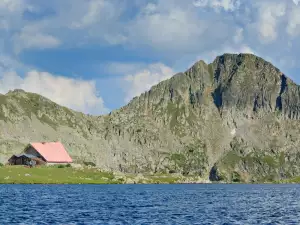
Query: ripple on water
{"points": [[149, 204]]}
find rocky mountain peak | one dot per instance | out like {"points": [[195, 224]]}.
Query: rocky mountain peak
{"points": [[237, 116], [239, 81], [15, 91]]}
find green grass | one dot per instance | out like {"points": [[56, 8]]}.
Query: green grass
{"points": [[295, 180], [270, 161], [231, 159], [53, 175], [69, 175], [47, 120], [281, 158], [162, 179]]}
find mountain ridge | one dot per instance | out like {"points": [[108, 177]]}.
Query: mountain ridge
{"points": [[210, 120]]}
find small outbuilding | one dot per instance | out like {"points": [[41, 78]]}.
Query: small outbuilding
{"points": [[25, 159], [42, 153]]}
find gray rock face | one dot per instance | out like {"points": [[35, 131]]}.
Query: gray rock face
{"points": [[234, 119]]}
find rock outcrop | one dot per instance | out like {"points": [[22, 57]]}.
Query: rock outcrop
{"points": [[236, 119]]}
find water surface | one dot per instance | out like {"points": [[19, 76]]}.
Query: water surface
{"points": [[150, 204]]}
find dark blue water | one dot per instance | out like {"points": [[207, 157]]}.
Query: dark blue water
{"points": [[150, 204]]}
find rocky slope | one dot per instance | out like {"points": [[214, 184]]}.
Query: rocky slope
{"points": [[236, 119]]}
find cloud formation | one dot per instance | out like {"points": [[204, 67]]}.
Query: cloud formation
{"points": [[141, 81], [33, 40], [227, 5], [79, 95], [162, 26], [269, 17], [293, 28]]}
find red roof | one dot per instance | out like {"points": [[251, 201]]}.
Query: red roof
{"points": [[53, 152]]}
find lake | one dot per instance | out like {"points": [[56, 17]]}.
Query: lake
{"points": [[150, 204]]}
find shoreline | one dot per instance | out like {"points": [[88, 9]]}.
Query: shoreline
{"points": [[182, 183], [55, 175]]}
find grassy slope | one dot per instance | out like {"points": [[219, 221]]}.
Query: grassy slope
{"points": [[68, 175], [53, 175]]}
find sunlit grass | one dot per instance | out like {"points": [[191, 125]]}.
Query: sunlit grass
{"points": [[53, 175], [85, 175]]}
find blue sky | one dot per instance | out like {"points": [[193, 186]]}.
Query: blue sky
{"points": [[95, 55]]}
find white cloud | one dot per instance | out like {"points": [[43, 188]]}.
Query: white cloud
{"points": [[166, 25], [293, 28], [227, 5], [91, 17], [239, 36], [171, 26], [96, 11], [11, 5], [296, 2], [269, 17], [100, 20], [79, 95], [6, 63], [11, 12], [161, 29], [73, 22], [141, 81], [31, 38]]}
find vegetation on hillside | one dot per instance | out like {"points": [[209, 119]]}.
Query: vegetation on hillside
{"points": [[68, 175], [53, 175]]}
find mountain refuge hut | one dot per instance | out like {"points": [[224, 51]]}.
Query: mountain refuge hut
{"points": [[49, 153]]}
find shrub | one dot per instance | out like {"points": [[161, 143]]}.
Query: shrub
{"points": [[236, 177], [172, 171], [89, 164], [64, 165]]}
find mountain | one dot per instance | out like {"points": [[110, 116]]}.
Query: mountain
{"points": [[236, 119]]}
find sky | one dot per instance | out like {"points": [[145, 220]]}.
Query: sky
{"points": [[94, 56]]}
